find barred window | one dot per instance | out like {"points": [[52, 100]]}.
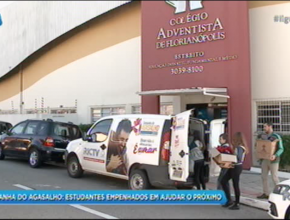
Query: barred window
{"points": [[136, 109], [166, 109], [277, 112], [98, 113]]}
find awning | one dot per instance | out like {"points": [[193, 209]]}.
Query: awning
{"points": [[219, 92]]}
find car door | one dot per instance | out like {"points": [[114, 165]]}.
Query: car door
{"points": [[94, 150], [10, 142], [183, 124], [179, 150], [25, 139]]}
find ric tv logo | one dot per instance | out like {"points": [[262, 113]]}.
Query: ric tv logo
{"points": [[181, 6]]}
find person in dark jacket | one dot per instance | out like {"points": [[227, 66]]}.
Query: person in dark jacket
{"points": [[240, 148]]}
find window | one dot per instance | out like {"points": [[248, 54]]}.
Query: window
{"points": [[102, 129], [277, 112], [136, 109], [31, 127], [76, 132], [98, 113], [18, 128], [61, 130], [43, 129], [166, 109], [66, 131]]}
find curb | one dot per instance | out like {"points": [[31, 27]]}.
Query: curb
{"points": [[255, 203]]}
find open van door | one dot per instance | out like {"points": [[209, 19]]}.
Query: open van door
{"points": [[179, 151], [217, 127]]}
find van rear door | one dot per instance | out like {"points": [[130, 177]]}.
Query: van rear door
{"points": [[179, 151], [217, 127]]}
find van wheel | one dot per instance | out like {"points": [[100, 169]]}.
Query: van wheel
{"points": [[138, 180], [35, 160], [2, 155], [287, 215], [74, 167]]}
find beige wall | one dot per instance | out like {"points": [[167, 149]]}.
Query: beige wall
{"points": [[117, 26], [257, 4]]}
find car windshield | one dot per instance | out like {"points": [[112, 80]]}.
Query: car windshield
{"points": [[66, 131]]}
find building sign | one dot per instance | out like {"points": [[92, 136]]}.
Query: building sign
{"points": [[192, 33], [188, 37], [180, 6], [188, 29]]}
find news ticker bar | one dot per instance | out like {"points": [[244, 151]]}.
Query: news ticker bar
{"points": [[113, 197]]}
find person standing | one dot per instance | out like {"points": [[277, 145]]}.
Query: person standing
{"points": [[224, 141], [240, 149], [196, 155], [272, 164]]}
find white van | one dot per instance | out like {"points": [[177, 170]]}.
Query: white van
{"points": [[148, 150]]}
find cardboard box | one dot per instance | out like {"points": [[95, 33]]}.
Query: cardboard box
{"points": [[227, 159], [265, 149], [222, 158]]}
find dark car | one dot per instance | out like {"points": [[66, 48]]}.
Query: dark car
{"points": [[4, 126], [38, 140]]}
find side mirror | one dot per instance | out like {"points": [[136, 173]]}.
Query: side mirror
{"points": [[7, 132], [87, 138]]}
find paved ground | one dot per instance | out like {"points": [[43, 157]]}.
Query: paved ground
{"points": [[250, 184], [52, 177]]}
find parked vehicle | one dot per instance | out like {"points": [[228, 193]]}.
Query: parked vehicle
{"points": [[147, 150], [4, 127], [38, 140], [279, 201]]}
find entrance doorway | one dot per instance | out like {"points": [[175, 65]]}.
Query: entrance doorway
{"points": [[210, 111]]}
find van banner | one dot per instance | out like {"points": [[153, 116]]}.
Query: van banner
{"points": [[144, 142], [133, 141]]}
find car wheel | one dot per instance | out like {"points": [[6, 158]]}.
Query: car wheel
{"points": [[138, 180], [34, 158], [287, 215], [74, 167], [2, 155]]}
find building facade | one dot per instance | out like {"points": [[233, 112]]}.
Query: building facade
{"points": [[79, 61]]}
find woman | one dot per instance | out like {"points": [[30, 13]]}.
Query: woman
{"points": [[240, 148], [224, 141], [196, 154]]}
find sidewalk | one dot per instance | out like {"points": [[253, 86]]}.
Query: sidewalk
{"points": [[251, 187]]}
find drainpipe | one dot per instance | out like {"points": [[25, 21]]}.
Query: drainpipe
{"points": [[21, 89]]}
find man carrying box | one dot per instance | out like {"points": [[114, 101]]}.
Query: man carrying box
{"points": [[271, 164]]}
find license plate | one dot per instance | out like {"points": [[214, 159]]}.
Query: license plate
{"points": [[177, 173]]}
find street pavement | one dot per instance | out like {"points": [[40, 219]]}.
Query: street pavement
{"points": [[16, 175]]}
